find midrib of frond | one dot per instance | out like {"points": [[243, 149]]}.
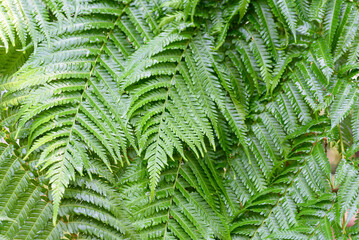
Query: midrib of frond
{"points": [[278, 201], [8, 172], [34, 194], [318, 225], [4, 151], [87, 83], [272, 152], [90, 75], [171, 200], [206, 72], [17, 189], [38, 219], [50, 233], [153, 184], [280, 198], [108, 86], [143, 29], [112, 110], [71, 130], [153, 21]]}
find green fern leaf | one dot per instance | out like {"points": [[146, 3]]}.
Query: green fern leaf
{"points": [[342, 103], [287, 10], [238, 8], [347, 31], [331, 20]]}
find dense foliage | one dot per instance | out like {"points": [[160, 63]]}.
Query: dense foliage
{"points": [[153, 119]]}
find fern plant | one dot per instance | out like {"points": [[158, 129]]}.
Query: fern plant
{"points": [[151, 119]]}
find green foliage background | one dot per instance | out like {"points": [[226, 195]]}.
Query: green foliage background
{"points": [[153, 119]]}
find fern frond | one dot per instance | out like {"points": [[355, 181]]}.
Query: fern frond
{"points": [[248, 59], [331, 20], [287, 9], [25, 200], [317, 10], [280, 211], [92, 90], [298, 102], [347, 31], [262, 57], [239, 8], [29, 20], [343, 101], [347, 195], [268, 31], [176, 211], [322, 53], [22, 198]]}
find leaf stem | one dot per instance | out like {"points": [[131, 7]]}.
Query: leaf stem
{"points": [[341, 141]]}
